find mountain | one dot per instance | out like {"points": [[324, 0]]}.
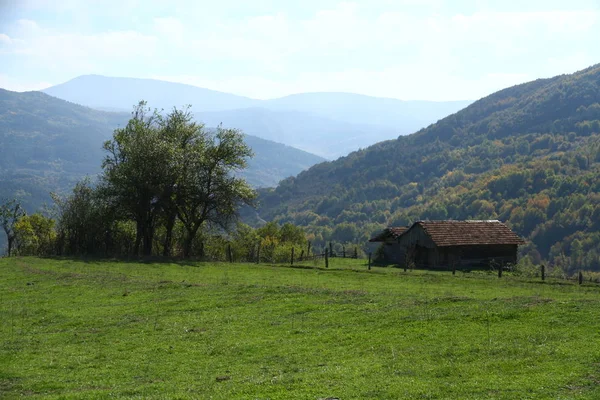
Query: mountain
{"points": [[310, 132], [122, 94], [328, 124], [273, 162], [403, 116], [528, 155], [47, 144]]}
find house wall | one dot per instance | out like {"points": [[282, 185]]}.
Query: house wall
{"points": [[394, 252], [417, 246], [416, 236], [481, 255]]}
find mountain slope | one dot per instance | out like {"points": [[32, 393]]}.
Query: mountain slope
{"points": [[528, 154], [47, 144], [311, 132], [273, 162]]}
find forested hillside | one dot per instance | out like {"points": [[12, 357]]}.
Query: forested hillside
{"points": [[528, 155], [48, 144], [273, 162]]}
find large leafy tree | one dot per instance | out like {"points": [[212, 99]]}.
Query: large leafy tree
{"points": [[135, 170], [164, 168], [10, 213], [182, 135], [208, 190]]}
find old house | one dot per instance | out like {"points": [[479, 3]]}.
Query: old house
{"points": [[392, 251], [449, 244]]}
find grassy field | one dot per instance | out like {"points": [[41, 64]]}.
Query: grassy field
{"points": [[75, 329]]}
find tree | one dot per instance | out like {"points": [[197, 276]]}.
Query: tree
{"points": [[84, 221], [292, 234], [181, 133], [10, 213], [161, 168], [136, 170], [208, 191], [34, 235]]}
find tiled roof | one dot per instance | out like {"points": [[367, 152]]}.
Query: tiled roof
{"points": [[391, 232], [461, 233]]}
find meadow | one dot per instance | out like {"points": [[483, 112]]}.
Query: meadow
{"points": [[74, 329]]}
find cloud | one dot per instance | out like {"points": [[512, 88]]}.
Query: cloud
{"points": [[68, 51], [28, 27], [16, 85], [434, 57], [170, 29], [383, 48], [5, 39]]}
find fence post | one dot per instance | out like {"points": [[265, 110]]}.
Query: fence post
{"points": [[343, 251], [580, 277], [356, 252], [453, 268], [308, 251], [500, 271], [330, 249], [543, 267], [292, 259], [369, 261], [326, 258], [229, 254], [301, 255]]}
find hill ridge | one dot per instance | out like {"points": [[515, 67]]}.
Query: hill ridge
{"points": [[511, 155]]}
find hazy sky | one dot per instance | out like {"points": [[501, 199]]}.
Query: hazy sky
{"points": [[406, 49]]}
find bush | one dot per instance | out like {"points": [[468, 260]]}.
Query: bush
{"points": [[526, 268]]}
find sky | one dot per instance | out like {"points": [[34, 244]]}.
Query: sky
{"points": [[405, 49]]}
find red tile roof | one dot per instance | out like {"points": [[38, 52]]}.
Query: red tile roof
{"points": [[392, 232], [461, 233]]}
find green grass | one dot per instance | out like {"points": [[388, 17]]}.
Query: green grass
{"points": [[75, 329]]}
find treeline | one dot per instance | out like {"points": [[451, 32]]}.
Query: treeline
{"points": [[168, 188], [528, 155], [41, 235]]}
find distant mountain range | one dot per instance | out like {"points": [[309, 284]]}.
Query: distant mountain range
{"points": [[121, 94], [47, 144], [310, 132], [328, 124]]}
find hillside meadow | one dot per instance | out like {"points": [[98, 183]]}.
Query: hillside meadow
{"points": [[98, 329]]}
